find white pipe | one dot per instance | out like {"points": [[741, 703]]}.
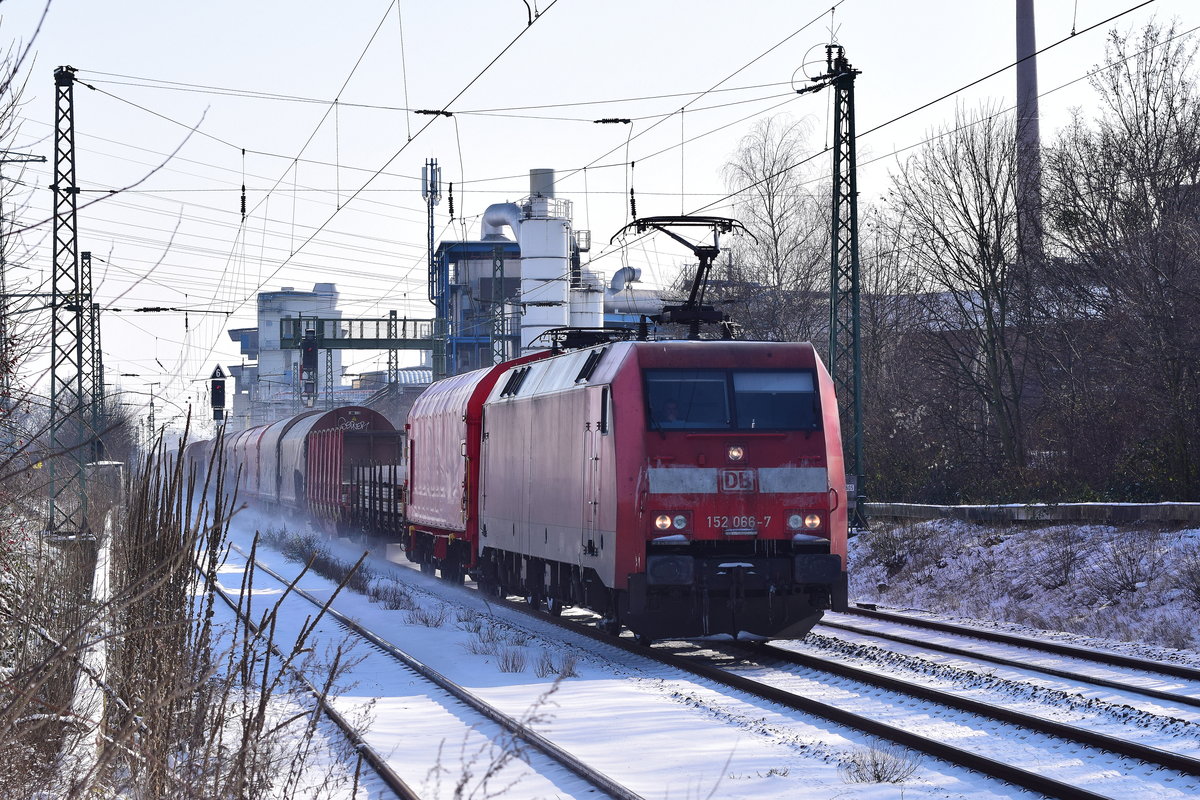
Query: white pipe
{"points": [[498, 215]]}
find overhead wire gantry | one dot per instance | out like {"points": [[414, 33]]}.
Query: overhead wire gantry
{"points": [[845, 350]]}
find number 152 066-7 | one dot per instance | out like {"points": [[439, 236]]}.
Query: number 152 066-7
{"points": [[738, 522]]}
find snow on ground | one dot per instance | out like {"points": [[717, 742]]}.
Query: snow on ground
{"points": [[1139, 586], [657, 731], [1086, 767], [667, 735], [1081, 668]]}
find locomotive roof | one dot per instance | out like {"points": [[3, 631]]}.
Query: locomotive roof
{"points": [[569, 370]]}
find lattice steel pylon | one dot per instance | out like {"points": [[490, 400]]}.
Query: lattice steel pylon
{"points": [[90, 370], [845, 351], [393, 355], [68, 402], [499, 343], [329, 379]]}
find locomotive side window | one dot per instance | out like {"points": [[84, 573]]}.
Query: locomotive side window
{"points": [[775, 400], [707, 399], [683, 398], [604, 401]]}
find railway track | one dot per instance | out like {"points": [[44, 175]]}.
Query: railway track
{"points": [[1078, 743], [1150, 755], [830, 712], [373, 758], [596, 779], [1007, 772], [1057, 648], [1084, 654]]}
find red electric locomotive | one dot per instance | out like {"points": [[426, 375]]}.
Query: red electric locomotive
{"points": [[678, 488]]}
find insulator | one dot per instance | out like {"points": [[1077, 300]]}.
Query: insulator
{"points": [[450, 193], [243, 201], [632, 205]]}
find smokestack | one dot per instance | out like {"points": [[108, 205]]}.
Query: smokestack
{"points": [[1029, 156], [541, 183]]}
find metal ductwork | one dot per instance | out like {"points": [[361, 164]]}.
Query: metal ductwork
{"points": [[495, 217], [542, 227]]}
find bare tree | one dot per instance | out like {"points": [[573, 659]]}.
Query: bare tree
{"points": [[898, 420], [776, 288], [1124, 212], [954, 202]]}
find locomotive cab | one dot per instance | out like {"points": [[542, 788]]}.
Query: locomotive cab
{"points": [[740, 511]]}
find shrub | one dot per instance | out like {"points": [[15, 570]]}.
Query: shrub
{"points": [[518, 638], [511, 659], [480, 648], [888, 763], [393, 596], [429, 616], [1186, 574], [564, 668], [567, 664], [1125, 563], [545, 665], [1065, 552]]}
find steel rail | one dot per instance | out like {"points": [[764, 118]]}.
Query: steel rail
{"points": [[1108, 683], [592, 776], [1058, 648], [1071, 733], [931, 747], [364, 750]]}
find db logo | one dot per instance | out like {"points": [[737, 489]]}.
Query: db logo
{"points": [[737, 480]]}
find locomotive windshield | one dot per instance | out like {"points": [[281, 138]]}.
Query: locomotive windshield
{"points": [[718, 399]]}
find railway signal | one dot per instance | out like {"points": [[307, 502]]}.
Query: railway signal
{"points": [[217, 393], [308, 367]]}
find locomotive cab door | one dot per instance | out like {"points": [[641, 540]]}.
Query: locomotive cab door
{"points": [[596, 427]]}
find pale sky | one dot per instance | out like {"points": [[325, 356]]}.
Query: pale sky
{"points": [[333, 191]]}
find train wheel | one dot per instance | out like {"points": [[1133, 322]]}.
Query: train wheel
{"points": [[611, 626], [491, 587], [554, 607], [427, 567]]}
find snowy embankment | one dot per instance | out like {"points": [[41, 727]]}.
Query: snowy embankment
{"points": [[1135, 585]]}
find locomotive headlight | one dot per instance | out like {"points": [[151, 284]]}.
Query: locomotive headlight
{"points": [[812, 521], [680, 522], [736, 452], [795, 521], [662, 522]]}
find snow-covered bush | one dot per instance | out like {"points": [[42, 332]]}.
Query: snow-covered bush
{"points": [[511, 659], [1126, 563], [887, 763]]}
